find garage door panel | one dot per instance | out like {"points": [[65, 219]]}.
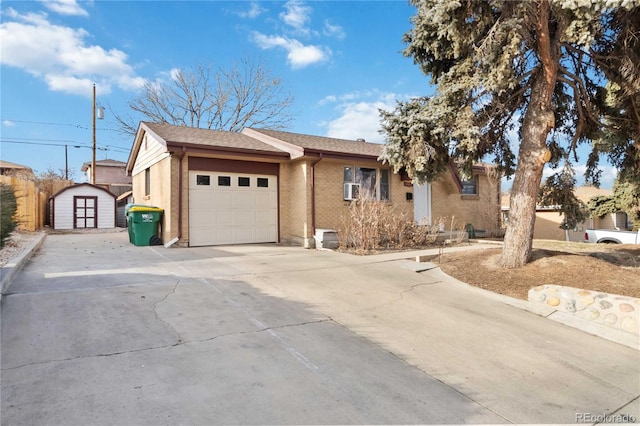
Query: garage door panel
{"points": [[222, 218], [244, 218], [225, 213], [263, 200], [199, 220], [200, 200], [264, 217], [265, 232], [223, 200]]}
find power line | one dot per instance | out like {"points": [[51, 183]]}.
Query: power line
{"points": [[72, 144], [45, 140], [77, 126]]}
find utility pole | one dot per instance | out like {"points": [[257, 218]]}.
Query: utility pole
{"points": [[93, 146]]}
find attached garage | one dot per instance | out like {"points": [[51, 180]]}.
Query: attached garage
{"points": [[82, 206], [232, 208]]}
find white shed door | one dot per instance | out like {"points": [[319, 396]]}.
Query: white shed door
{"points": [[232, 208]]}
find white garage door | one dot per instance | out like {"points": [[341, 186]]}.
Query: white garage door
{"points": [[232, 208]]}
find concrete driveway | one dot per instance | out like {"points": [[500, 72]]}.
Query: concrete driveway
{"points": [[98, 331]]}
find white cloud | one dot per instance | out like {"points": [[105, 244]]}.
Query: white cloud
{"points": [[298, 55], [609, 174], [360, 119], [8, 123], [297, 15], [73, 85], [254, 11], [333, 30], [65, 7], [60, 56]]}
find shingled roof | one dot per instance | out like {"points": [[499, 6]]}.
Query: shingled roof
{"points": [[181, 135], [308, 144]]}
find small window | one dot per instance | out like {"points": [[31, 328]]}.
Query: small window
{"points": [[384, 184], [263, 183], [244, 181], [348, 174], [204, 180], [470, 187], [224, 180], [147, 181]]}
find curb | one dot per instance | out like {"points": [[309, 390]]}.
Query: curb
{"points": [[599, 330], [9, 271]]}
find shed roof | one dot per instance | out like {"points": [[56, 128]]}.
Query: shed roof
{"points": [[82, 185]]}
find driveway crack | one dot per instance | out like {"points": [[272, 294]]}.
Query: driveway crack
{"points": [[400, 297], [155, 311], [172, 345]]}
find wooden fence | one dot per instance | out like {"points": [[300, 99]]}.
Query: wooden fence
{"points": [[32, 202]]}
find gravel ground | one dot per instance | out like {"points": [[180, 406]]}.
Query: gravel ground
{"points": [[16, 244]]}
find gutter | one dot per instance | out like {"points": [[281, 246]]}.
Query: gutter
{"points": [[313, 193]]}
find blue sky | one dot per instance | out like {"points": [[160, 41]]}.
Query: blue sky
{"points": [[340, 60]]}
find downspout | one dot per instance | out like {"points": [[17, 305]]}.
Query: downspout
{"points": [[177, 237], [313, 194]]}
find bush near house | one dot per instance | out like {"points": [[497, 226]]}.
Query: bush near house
{"points": [[377, 225], [8, 208]]}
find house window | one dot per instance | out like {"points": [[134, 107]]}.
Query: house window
{"points": [[203, 180], [366, 182], [470, 187], [224, 180], [244, 181], [147, 181], [263, 183]]}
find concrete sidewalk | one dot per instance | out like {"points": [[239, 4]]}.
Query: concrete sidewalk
{"points": [[270, 334]]}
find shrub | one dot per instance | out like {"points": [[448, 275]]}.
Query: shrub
{"points": [[373, 225], [8, 208]]}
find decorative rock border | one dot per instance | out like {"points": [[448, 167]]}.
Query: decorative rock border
{"points": [[612, 310]]}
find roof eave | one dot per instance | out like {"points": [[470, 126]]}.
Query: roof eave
{"points": [[340, 155], [210, 149]]}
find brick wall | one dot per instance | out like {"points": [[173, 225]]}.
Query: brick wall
{"points": [[160, 194], [295, 204], [482, 210], [332, 210]]}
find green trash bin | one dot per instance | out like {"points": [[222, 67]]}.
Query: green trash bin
{"points": [[128, 218], [143, 223]]}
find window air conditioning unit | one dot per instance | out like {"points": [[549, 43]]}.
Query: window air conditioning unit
{"points": [[351, 191]]}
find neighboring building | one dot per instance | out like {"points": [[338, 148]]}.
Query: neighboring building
{"points": [[111, 175], [549, 218], [220, 187], [13, 169], [82, 206]]}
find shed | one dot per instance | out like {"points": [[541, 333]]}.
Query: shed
{"points": [[82, 206]]}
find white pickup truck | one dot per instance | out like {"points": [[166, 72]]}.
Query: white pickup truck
{"points": [[611, 236]]}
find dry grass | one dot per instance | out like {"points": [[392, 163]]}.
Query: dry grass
{"points": [[609, 268], [373, 226]]}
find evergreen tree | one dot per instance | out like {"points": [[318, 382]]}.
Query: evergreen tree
{"points": [[558, 73]]}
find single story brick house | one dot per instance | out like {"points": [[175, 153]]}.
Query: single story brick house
{"points": [[258, 185]]}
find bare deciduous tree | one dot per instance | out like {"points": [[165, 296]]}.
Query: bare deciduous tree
{"points": [[247, 94]]}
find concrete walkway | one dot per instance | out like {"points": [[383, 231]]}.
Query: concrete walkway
{"points": [[97, 331]]}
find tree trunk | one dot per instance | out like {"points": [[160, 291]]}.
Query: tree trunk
{"points": [[533, 154]]}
